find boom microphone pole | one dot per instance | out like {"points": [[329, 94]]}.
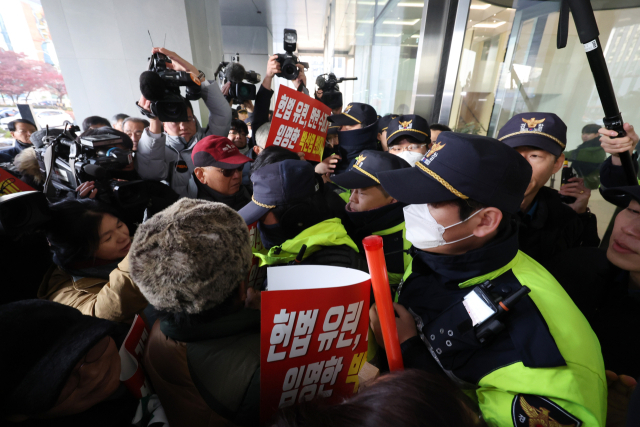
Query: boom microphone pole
{"points": [[588, 33]]}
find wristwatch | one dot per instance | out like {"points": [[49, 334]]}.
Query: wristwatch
{"points": [[201, 76]]}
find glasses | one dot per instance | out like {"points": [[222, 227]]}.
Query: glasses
{"points": [[24, 131], [228, 173], [92, 356], [413, 147], [233, 132], [131, 133]]}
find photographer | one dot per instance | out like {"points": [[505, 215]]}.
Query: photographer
{"points": [[90, 244], [167, 155]]}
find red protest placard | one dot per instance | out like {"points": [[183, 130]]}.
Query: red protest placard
{"points": [[314, 330], [131, 353], [9, 184], [299, 124], [257, 274]]}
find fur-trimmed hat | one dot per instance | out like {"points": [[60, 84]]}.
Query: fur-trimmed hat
{"points": [[191, 256]]}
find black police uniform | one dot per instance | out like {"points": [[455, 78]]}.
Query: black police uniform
{"points": [[353, 142], [549, 226], [386, 221], [522, 363]]}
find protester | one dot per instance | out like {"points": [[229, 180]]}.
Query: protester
{"points": [[166, 155], [218, 168], [90, 246], [408, 138], [408, 398], [548, 226], [606, 286], [292, 211], [68, 372], [21, 130], [461, 202], [358, 130], [203, 357]]}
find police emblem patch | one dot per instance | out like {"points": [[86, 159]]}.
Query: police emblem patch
{"points": [[346, 110], [405, 125], [359, 160], [435, 148], [532, 124], [533, 411]]}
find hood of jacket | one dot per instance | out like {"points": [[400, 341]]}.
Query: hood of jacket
{"points": [[242, 321]]}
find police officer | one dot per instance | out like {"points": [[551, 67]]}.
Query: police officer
{"points": [[291, 212], [358, 131], [409, 137], [538, 363], [373, 211], [548, 225], [383, 125]]}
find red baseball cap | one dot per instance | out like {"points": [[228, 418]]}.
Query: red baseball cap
{"points": [[219, 152]]}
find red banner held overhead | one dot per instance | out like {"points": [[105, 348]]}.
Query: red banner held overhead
{"points": [[314, 330], [299, 124]]}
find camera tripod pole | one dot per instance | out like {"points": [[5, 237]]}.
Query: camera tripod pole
{"points": [[588, 33]]}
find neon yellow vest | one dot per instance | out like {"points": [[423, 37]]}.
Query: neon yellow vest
{"points": [[580, 387], [330, 232]]}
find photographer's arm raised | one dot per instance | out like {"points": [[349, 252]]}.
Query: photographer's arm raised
{"points": [[150, 157], [219, 109]]}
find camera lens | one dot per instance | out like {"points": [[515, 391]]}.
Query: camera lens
{"points": [[290, 71]]}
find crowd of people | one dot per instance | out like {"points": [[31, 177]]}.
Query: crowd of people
{"points": [[458, 214]]}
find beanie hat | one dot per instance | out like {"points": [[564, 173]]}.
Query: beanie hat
{"points": [[42, 343], [191, 256]]}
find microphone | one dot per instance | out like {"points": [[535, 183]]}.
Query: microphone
{"points": [[152, 86], [234, 72], [95, 171]]}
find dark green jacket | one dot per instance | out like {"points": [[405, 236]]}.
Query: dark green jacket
{"points": [[224, 363]]}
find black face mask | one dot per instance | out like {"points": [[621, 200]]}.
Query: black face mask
{"points": [[360, 219], [353, 142], [271, 235]]}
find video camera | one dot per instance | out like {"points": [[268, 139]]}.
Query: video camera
{"points": [[288, 61], [331, 95], [68, 160], [161, 86], [235, 73]]}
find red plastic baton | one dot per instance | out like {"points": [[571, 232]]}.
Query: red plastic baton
{"points": [[381, 291]]}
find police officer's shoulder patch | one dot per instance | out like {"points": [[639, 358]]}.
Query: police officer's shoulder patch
{"points": [[531, 411]]}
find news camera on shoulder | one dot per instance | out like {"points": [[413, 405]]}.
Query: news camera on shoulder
{"points": [[161, 85], [99, 156]]}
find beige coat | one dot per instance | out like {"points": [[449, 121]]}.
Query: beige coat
{"points": [[117, 299]]}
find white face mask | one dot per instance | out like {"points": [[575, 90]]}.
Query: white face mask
{"points": [[423, 231], [410, 157]]}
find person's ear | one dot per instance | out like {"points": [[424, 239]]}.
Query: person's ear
{"points": [[199, 172], [558, 164], [256, 149], [490, 219]]}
